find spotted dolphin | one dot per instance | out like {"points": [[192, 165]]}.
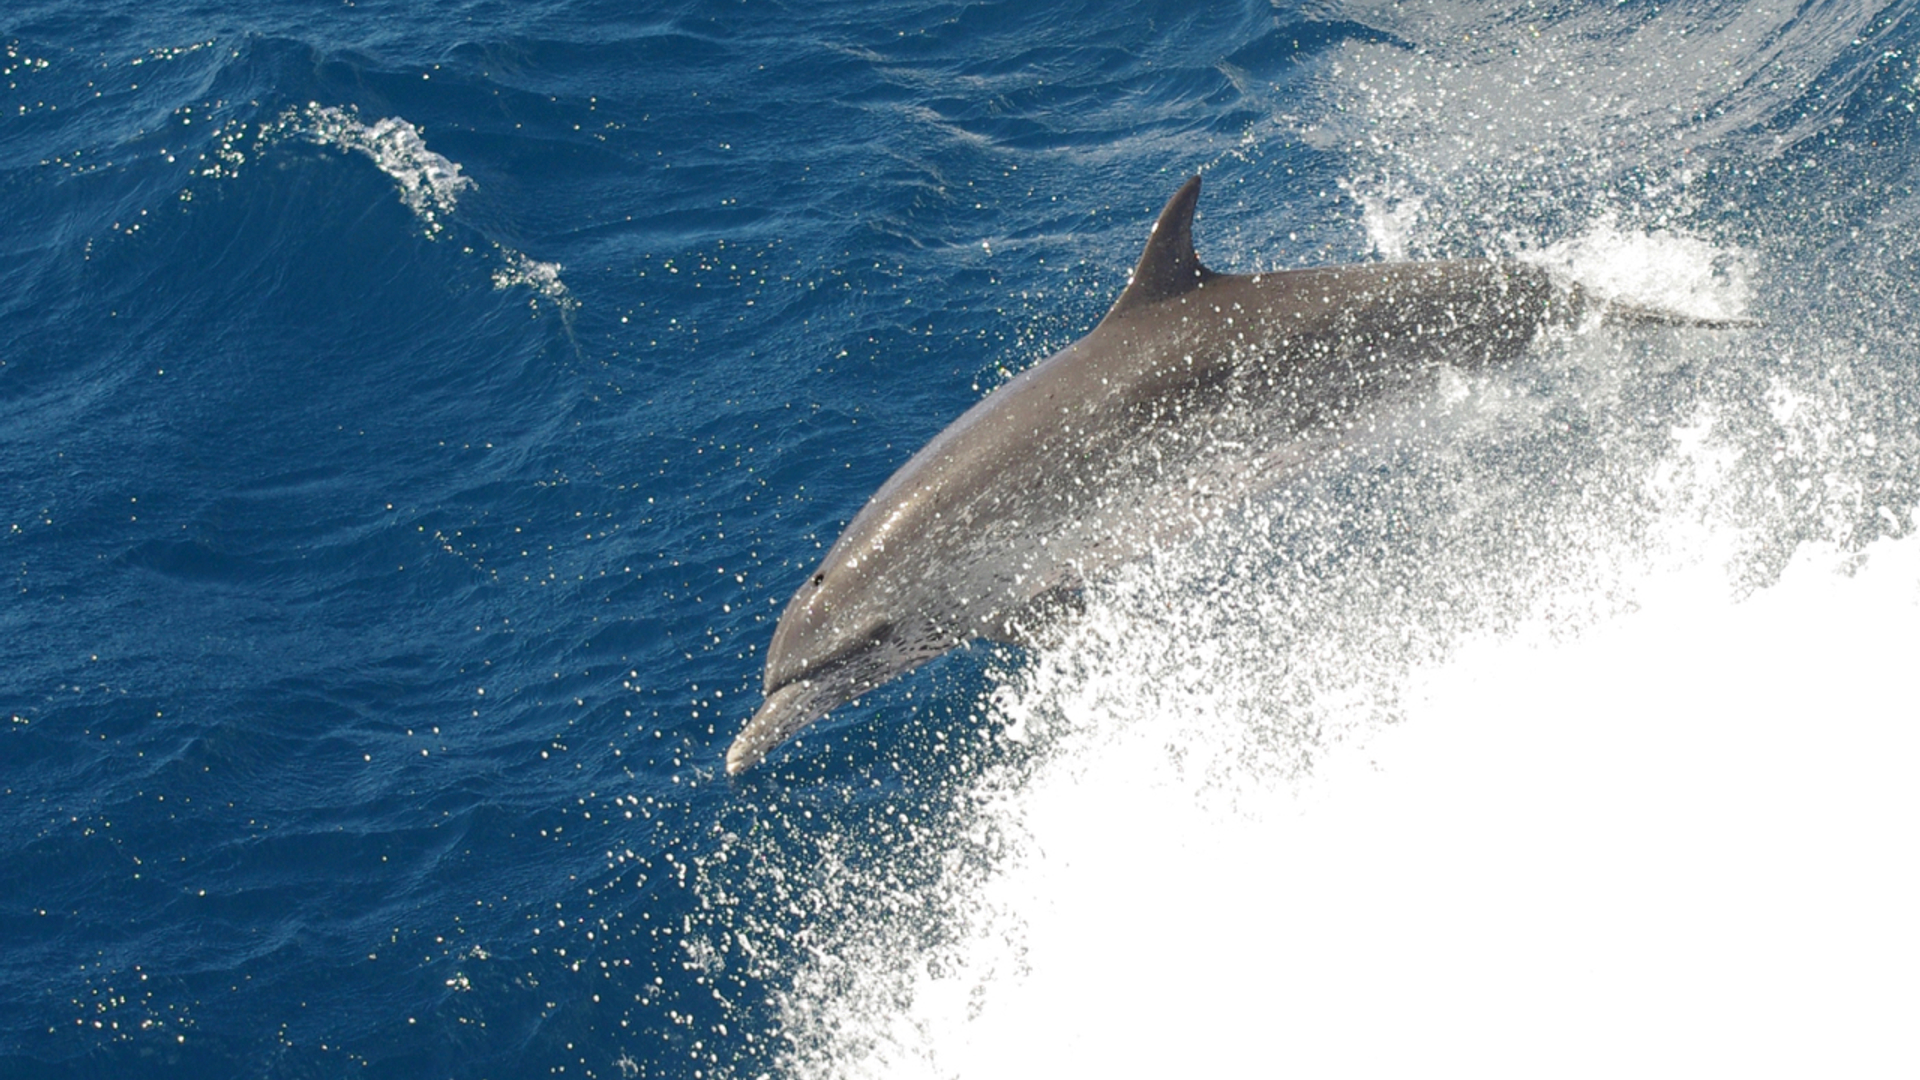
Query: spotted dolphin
{"points": [[1197, 389]]}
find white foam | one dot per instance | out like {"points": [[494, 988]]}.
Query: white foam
{"points": [[430, 184], [542, 278], [1663, 270], [1389, 214], [1675, 842]]}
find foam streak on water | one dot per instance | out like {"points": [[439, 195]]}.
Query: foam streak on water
{"points": [[430, 184]]}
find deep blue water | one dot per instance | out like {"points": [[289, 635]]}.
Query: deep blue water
{"points": [[390, 565]]}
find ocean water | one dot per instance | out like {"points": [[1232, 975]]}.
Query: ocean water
{"points": [[414, 416]]}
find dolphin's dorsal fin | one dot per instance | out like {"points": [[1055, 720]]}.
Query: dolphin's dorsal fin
{"points": [[1168, 267]]}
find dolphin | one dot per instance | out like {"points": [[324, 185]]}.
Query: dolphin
{"points": [[1196, 390]]}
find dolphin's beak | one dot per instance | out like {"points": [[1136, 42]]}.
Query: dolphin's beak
{"points": [[794, 705], [784, 712]]}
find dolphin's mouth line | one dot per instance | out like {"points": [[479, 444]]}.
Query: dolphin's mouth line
{"points": [[800, 700], [834, 666]]}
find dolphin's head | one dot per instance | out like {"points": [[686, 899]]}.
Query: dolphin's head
{"points": [[841, 635]]}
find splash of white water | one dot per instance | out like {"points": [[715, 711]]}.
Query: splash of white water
{"points": [[1670, 841], [1589, 757], [430, 184], [1545, 773]]}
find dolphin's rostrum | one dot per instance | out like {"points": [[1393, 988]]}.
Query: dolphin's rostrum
{"points": [[1115, 443]]}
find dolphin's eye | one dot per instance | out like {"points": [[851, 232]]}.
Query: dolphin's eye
{"points": [[818, 578]]}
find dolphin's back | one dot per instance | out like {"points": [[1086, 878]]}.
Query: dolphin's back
{"points": [[1041, 482]]}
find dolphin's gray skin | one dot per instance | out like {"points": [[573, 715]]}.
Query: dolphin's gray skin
{"points": [[1115, 443]]}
